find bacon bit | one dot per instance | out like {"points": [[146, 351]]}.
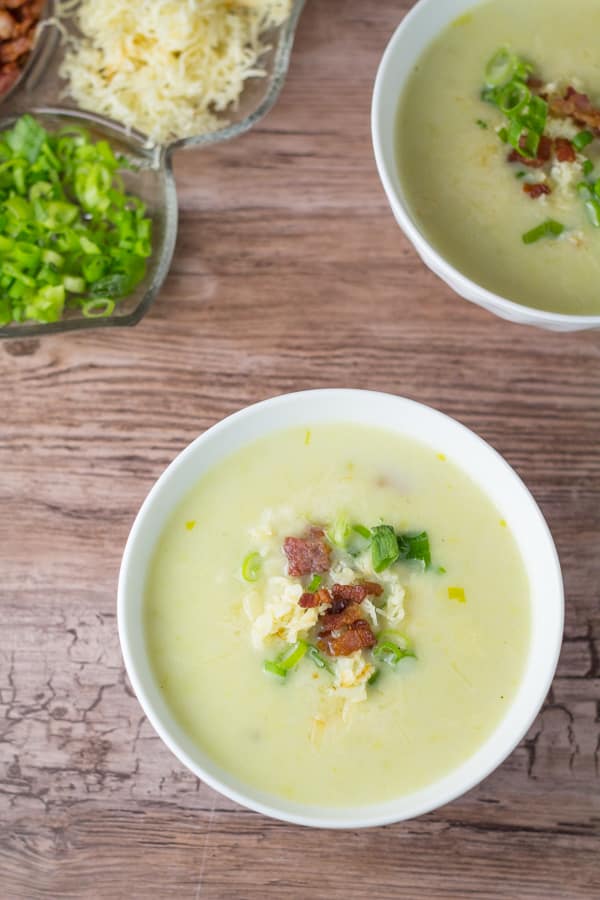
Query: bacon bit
{"points": [[335, 621], [357, 636], [536, 190], [308, 600], [308, 554], [543, 154], [18, 21], [373, 589], [534, 84], [576, 106], [564, 149], [355, 593]]}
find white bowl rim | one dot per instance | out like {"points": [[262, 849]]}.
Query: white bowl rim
{"points": [[341, 817], [466, 287]]}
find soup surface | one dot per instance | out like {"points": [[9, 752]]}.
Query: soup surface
{"points": [[467, 199], [220, 601]]}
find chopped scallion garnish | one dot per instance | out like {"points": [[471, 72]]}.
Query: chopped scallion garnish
{"points": [[384, 547], [67, 225], [415, 546], [339, 531], [286, 660], [319, 661], [501, 68], [314, 584], [251, 567], [389, 651], [273, 668], [588, 167], [550, 228], [363, 531], [291, 657], [582, 140], [592, 208]]}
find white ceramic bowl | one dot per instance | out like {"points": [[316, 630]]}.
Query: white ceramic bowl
{"points": [[405, 417], [420, 27]]}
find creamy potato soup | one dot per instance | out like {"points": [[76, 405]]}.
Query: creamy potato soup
{"points": [[337, 615], [499, 150]]}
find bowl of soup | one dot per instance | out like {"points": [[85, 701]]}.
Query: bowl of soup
{"points": [[340, 608], [486, 132]]}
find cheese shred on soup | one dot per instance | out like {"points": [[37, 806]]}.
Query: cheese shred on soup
{"points": [[337, 615]]}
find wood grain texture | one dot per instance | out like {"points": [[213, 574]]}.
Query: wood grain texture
{"points": [[289, 273]]}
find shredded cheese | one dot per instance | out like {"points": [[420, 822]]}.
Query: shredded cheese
{"points": [[167, 68]]}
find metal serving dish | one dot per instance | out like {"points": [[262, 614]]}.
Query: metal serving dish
{"points": [[41, 92]]}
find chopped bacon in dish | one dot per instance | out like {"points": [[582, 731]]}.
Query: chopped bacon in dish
{"points": [[335, 621], [543, 154], [564, 150], [308, 600], [577, 107], [536, 190], [358, 636], [309, 554], [18, 22], [356, 593]]}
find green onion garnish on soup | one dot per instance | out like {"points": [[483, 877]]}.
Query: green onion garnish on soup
{"points": [[251, 567], [550, 228], [582, 140], [384, 547]]}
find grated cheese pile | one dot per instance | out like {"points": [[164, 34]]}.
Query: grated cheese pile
{"points": [[166, 67]]}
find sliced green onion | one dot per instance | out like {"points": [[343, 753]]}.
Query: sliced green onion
{"points": [[441, 570], [593, 210], [273, 668], [585, 190], [588, 167], [384, 547], [483, 125], [319, 661], [63, 207], [389, 651], [597, 188], [513, 98], [291, 657], [98, 308], [314, 584], [503, 135], [363, 531], [374, 677], [550, 228], [339, 531], [415, 546], [501, 68], [457, 593], [76, 285], [251, 567], [520, 175], [582, 139]]}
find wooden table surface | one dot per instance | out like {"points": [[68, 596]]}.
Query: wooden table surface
{"points": [[289, 273]]}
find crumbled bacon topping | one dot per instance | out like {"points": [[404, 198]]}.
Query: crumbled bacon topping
{"points": [[536, 190], [336, 620], [543, 154], [307, 554], [358, 636], [309, 600], [356, 593], [564, 150], [576, 106], [18, 21]]}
